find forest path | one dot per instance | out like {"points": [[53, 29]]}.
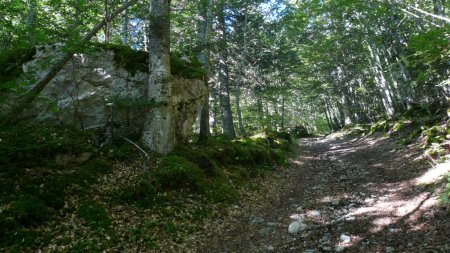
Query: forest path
{"points": [[354, 195]]}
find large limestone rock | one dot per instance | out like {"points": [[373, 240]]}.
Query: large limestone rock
{"points": [[93, 92]]}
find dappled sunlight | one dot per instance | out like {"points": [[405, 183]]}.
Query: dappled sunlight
{"points": [[434, 174]]}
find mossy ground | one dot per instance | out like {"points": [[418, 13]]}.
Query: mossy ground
{"points": [[41, 199]]}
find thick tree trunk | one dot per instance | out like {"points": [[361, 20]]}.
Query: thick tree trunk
{"points": [[32, 94], [159, 132], [224, 90]]}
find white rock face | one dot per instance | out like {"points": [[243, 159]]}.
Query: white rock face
{"points": [[296, 227], [93, 92]]}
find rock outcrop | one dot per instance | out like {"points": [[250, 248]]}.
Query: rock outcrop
{"points": [[96, 92]]}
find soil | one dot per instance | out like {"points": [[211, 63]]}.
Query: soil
{"points": [[354, 194]]}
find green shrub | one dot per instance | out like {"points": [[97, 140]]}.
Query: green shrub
{"points": [[35, 145], [29, 210], [177, 172], [94, 214], [444, 198], [278, 155], [11, 64], [380, 126]]}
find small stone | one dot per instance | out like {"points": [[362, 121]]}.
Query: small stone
{"points": [[345, 238], [350, 218], [339, 248], [296, 227], [389, 249], [315, 213], [270, 248], [326, 248], [256, 220], [335, 202]]}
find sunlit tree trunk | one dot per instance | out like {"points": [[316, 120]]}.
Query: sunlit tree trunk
{"points": [[30, 22], [159, 132], [224, 89], [107, 28], [381, 80]]}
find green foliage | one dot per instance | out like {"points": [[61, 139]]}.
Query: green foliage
{"points": [[29, 210], [11, 65], [94, 214], [137, 61], [187, 68], [444, 198], [176, 172], [380, 126], [35, 145], [299, 132]]}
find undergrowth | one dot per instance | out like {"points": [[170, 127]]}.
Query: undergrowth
{"points": [[35, 188]]}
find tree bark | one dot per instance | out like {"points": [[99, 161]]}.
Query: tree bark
{"points": [[204, 27], [33, 93], [159, 132], [224, 89], [124, 27], [30, 22]]}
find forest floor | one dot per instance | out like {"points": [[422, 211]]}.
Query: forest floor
{"points": [[347, 194]]}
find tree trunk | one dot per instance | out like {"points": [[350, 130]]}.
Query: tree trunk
{"points": [[204, 27], [107, 29], [30, 22], [159, 132], [32, 94], [124, 27], [224, 90]]}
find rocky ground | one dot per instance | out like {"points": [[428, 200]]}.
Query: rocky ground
{"points": [[339, 195]]}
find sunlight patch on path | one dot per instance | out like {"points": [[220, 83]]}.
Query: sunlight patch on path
{"points": [[434, 173]]}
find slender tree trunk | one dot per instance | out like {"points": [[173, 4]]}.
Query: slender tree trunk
{"points": [[259, 104], [224, 90], [30, 22], [385, 92], [107, 29], [124, 27], [204, 26], [33, 93], [159, 132], [145, 35]]}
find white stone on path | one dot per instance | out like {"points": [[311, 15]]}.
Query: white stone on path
{"points": [[345, 238], [296, 227], [389, 249]]}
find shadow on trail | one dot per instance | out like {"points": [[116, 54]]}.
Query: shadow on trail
{"points": [[368, 190]]}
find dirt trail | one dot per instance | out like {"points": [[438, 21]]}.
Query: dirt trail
{"points": [[354, 195]]}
